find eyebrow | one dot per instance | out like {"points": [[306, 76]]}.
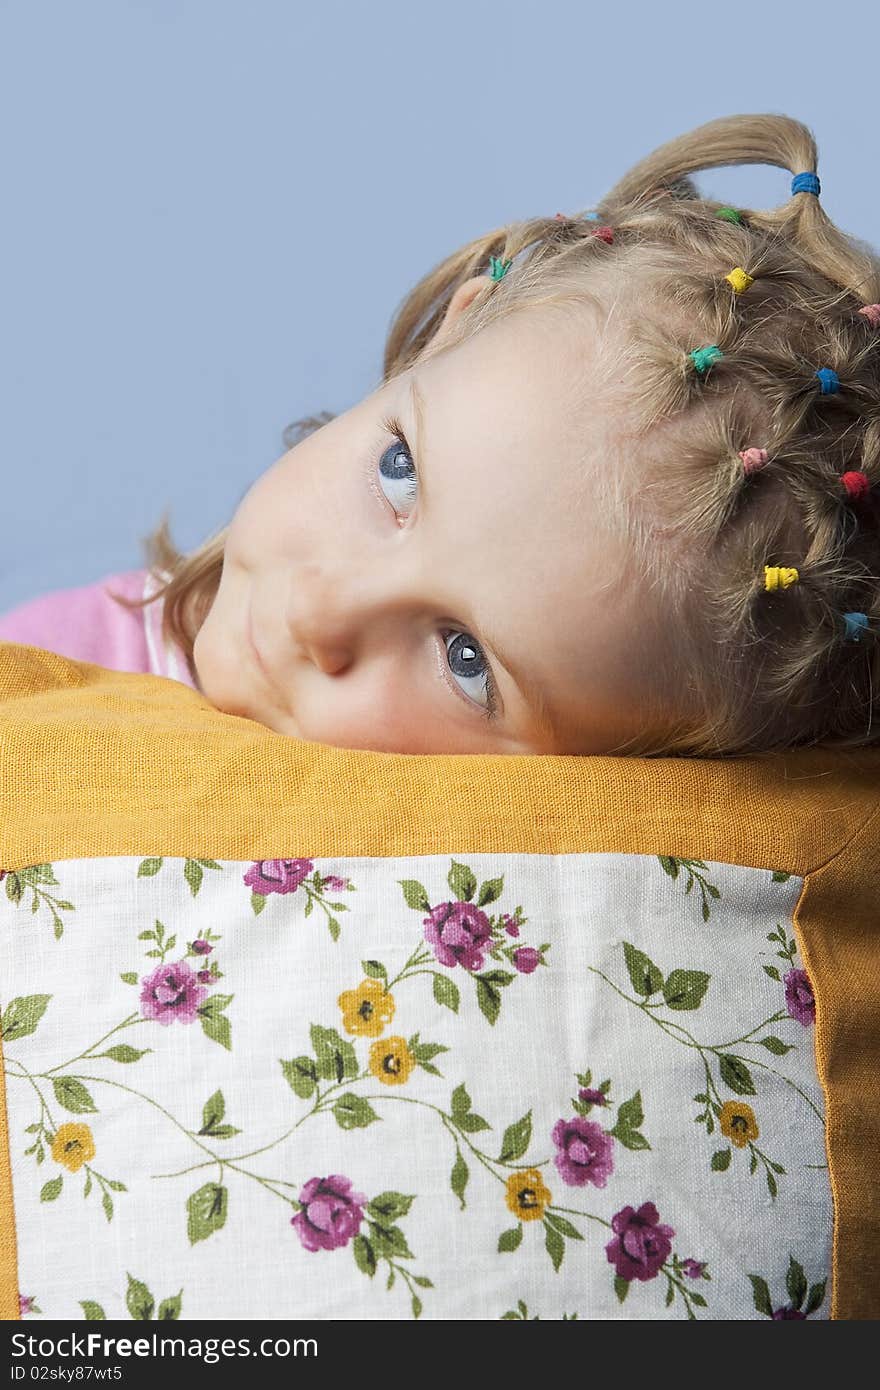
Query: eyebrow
{"points": [[533, 694]]}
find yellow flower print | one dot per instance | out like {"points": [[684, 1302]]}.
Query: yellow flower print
{"points": [[391, 1061], [73, 1146], [526, 1195], [367, 1010], [738, 1123]]}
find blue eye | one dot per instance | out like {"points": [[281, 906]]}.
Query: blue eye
{"points": [[467, 662], [397, 473]]}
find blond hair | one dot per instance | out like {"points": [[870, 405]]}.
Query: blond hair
{"points": [[752, 671]]}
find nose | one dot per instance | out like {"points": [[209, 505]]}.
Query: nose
{"points": [[331, 609]]}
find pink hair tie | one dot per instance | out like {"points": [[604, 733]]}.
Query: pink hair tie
{"points": [[753, 459], [604, 234], [856, 484], [871, 312]]}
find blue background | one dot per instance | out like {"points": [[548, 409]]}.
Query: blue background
{"points": [[212, 209]]}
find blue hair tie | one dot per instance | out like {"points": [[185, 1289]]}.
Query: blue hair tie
{"points": [[855, 623], [830, 381], [591, 216], [806, 183]]}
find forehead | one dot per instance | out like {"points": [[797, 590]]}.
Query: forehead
{"points": [[520, 459]]}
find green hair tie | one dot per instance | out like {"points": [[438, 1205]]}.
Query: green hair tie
{"points": [[498, 268], [705, 357], [729, 215]]}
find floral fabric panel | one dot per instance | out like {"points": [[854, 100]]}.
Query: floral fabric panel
{"points": [[512, 1086]]}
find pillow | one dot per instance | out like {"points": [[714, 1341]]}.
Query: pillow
{"points": [[298, 1031]]}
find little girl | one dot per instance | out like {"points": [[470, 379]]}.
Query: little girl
{"points": [[617, 493]]}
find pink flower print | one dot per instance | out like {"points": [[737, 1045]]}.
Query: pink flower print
{"points": [[459, 933], [277, 875], [202, 948], [641, 1244], [526, 959], [594, 1097], [171, 994], [585, 1152], [331, 1213], [335, 883], [509, 924], [799, 997]]}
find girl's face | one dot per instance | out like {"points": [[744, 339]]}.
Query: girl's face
{"points": [[428, 572]]}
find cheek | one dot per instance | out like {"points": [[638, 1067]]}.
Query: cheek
{"points": [[259, 521]]}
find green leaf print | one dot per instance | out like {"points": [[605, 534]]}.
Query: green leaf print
{"points": [[517, 1138], [389, 1241], [215, 1024], [364, 1255], [720, 1160], [169, 1308], [193, 873], [301, 1075], [51, 1190], [122, 1052], [684, 989], [206, 1211], [375, 969], [488, 998], [389, 1206], [510, 1240], [621, 1287], [630, 1115], [458, 1178], [761, 1295], [796, 1282], [414, 894], [148, 867], [93, 1311], [73, 1096], [645, 976], [816, 1298], [212, 1113], [776, 1046], [22, 1015], [446, 992], [139, 1301], [563, 1226], [353, 1112], [461, 881], [490, 891], [554, 1245], [736, 1075], [336, 1057]]}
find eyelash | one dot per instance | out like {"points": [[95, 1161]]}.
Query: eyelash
{"points": [[393, 426]]}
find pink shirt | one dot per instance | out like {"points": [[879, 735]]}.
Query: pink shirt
{"points": [[86, 625]]}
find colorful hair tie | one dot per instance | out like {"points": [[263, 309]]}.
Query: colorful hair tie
{"points": [[871, 312], [856, 623], [739, 279], [753, 459], [705, 357], [498, 268], [776, 577], [830, 381], [729, 215], [605, 234], [591, 216], [856, 484], [806, 183], [560, 217]]}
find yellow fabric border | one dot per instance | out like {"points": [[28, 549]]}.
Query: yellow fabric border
{"points": [[837, 921], [9, 1307], [200, 783]]}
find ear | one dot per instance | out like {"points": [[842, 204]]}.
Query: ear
{"points": [[463, 296]]}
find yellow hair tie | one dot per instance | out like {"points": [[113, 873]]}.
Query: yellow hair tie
{"points": [[776, 578], [739, 279]]}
